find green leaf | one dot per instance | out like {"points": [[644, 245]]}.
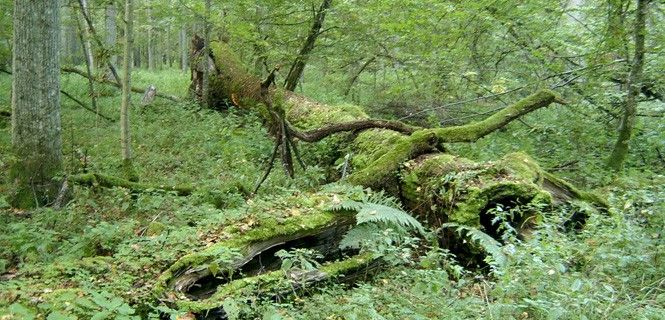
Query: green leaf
{"points": [[104, 314], [20, 310], [56, 315]]}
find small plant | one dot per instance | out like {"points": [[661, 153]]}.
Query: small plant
{"points": [[496, 257], [299, 259]]}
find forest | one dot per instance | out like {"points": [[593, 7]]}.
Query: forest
{"points": [[332, 159]]}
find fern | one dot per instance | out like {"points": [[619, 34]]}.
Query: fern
{"points": [[355, 237], [378, 213], [375, 211], [485, 241], [347, 205]]}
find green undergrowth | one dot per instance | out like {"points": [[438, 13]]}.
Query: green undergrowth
{"points": [[103, 253], [611, 269]]}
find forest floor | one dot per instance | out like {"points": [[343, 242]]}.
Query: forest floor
{"points": [[100, 256]]}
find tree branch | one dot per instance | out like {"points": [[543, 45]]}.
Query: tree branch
{"points": [[476, 130], [323, 132]]}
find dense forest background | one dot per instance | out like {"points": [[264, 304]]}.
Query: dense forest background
{"points": [[196, 155]]}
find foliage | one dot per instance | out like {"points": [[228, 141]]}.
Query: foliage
{"points": [[428, 62]]}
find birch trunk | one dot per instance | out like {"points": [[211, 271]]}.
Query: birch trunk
{"points": [[87, 45], [151, 51], [183, 49]]}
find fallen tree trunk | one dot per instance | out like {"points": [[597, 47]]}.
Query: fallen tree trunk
{"points": [[406, 161], [100, 180], [438, 188], [115, 84]]}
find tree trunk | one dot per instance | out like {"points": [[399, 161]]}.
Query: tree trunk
{"points": [[151, 49], [183, 49], [260, 56], [87, 45], [621, 147], [36, 130], [206, 53], [88, 66], [111, 33], [125, 139], [298, 66]]}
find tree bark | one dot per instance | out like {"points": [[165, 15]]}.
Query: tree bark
{"points": [[88, 64], [295, 73], [621, 147], [36, 130], [125, 138], [87, 45]]}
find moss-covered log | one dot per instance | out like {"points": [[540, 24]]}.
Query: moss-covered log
{"points": [[408, 162], [404, 160], [243, 264], [96, 179]]}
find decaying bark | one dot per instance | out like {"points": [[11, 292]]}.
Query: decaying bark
{"points": [[243, 264]]}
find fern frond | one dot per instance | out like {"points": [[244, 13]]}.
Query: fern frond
{"points": [[380, 197], [354, 238], [378, 213], [485, 241], [347, 205]]}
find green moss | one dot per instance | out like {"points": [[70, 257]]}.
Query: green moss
{"points": [[460, 189], [477, 130], [155, 229], [379, 172], [128, 171]]}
